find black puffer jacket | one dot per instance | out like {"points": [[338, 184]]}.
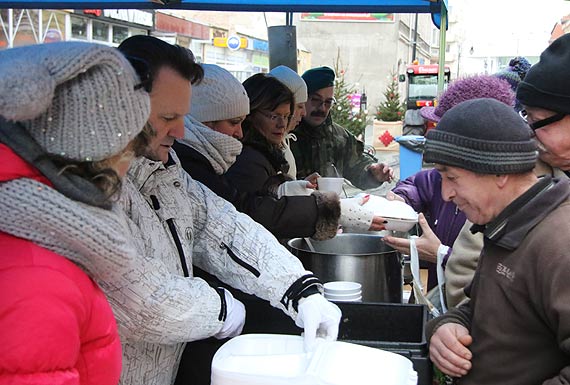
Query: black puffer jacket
{"points": [[288, 217]]}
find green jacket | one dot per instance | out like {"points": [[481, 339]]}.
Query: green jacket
{"points": [[318, 147]]}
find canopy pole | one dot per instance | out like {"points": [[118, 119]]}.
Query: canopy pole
{"points": [[442, 45]]}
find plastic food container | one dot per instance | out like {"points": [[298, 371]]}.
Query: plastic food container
{"points": [[275, 359]]}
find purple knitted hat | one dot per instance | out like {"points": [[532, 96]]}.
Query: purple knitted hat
{"points": [[474, 87]]}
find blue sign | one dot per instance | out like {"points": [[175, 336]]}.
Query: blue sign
{"points": [[260, 45]]}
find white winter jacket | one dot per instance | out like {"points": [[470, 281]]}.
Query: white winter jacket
{"points": [[159, 309]]}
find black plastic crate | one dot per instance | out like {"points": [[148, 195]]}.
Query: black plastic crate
{"points": [[397, 328]]}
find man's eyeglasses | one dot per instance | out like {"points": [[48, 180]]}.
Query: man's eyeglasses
{"points": [[318, 102], [142, 69], [542, 122], [275, 117]]}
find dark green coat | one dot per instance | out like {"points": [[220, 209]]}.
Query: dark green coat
{"points": [[318, 147]]}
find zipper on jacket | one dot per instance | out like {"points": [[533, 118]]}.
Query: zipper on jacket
{"points": [[239, 261], [172, 227], [224, 308], [175, 237]]}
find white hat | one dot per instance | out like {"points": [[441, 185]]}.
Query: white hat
{"points": [[77, 100], [291, 80], [219, 96]]}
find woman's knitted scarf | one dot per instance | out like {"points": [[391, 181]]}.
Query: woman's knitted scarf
{"points": [[89, 236], [220, 149]]}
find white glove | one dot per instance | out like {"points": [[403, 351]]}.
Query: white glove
{"points": [[318, 317], [355, 217], [294, 187], [235, 317]]}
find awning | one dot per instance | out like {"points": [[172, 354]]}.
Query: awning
{"points": [[349, 6]]}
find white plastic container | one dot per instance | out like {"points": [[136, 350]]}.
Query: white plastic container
{"points": [[274, 359], [330, 184]]}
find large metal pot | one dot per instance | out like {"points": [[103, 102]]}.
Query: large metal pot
{"points": [[355, 257]]}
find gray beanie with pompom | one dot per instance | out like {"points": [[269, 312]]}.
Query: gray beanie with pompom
{"points": [[77, 100]]}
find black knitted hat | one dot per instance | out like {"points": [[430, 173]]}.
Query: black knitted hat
{"points": [[484, 136], [546, 84]]}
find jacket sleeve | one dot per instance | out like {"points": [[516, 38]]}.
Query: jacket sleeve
{"points": [[459, 315], [239, 251], [42, 319], [417, 190], [314, 216], [552, 294], [356, 162]]}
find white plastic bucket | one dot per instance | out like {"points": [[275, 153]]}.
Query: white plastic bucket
{"points": [[273, 359]]}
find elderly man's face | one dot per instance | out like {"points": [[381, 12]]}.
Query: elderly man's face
{"points": [[553, 139], [474, 194], [319, 105]]}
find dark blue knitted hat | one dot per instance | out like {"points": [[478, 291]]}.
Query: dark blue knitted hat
{"points": [[484, 136], [318, 78]]}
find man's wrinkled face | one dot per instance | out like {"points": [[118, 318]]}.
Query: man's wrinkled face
{"points": [[319, 105], [473, 193]]}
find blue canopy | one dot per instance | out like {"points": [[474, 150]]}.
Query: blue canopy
{"points": [[349, 6]]}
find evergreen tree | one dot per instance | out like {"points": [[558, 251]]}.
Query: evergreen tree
{"points": [[341, 112], [392, 109]]}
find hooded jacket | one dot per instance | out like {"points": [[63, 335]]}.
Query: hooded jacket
{"points": [[206, 155], [178, 223], [520, 299], [57, 326]]}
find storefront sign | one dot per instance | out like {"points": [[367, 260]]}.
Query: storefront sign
{"points": [[94, 12], [359, 17], [131, 15], [233, 42], [260, 45]]}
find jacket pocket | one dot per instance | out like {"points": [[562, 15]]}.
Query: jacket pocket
{"points": [[240, 261]]}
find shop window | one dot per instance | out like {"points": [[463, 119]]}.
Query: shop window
{"points": [[137, 31], [4, 28], [53, 26], [26, 24], [79, 27], [120, 34], [100, 31]]}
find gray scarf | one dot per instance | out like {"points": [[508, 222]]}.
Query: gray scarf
{"points": [[87, 235], [220, 149]]}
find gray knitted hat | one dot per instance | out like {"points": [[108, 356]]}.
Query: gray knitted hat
{"points": [[219, 96], [77, 100], [484, 136], [291, 80]]}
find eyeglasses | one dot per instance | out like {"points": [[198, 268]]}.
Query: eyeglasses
{"points": [[275, 117], [318, 102], [543, 122], [142, 69]]}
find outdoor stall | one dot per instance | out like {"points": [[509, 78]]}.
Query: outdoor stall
{"points": [[378, 319]]}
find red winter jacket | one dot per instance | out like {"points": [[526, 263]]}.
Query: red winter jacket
{"points": [[56, 326]]}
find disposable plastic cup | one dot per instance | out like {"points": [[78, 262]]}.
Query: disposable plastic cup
{"points": [[330, 184], [342, 287], [355, 299]]}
